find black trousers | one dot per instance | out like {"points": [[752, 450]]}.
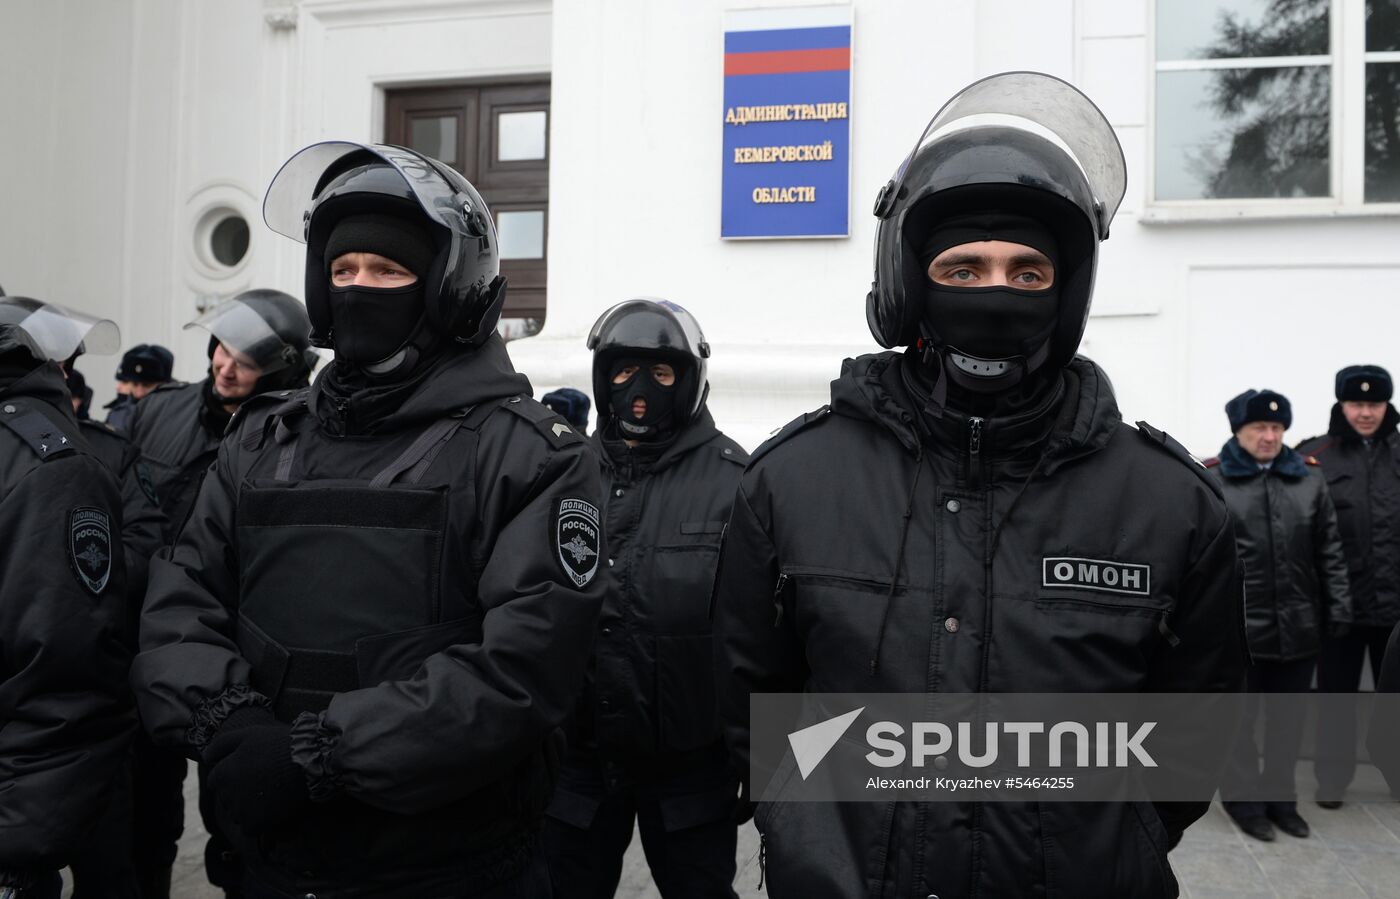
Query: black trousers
{"points": [[104, 868], [1249, 790], [683, 809], [1339, 671]]}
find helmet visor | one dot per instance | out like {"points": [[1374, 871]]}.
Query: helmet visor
{"points": [[292, 193], [1043, 103], [239, 327], [60, 332]]}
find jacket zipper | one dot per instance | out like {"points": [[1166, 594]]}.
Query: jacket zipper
{"points": [[974, 450], [778, 601]]}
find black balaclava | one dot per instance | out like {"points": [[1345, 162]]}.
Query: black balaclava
{"points": [[990, 323], [659, 422], [370, 326]]}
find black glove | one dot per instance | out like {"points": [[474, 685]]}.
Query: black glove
{"points": [[1338, 629], [252, 776]]}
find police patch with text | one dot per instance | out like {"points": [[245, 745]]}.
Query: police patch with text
{"points": [[578, 539], [1127, 578], [90, 548]]}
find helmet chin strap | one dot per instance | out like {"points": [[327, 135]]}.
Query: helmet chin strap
{"points": [[981, 375], [978, 374]]}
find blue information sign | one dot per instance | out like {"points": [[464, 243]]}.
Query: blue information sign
{"points": [[787, 137]]}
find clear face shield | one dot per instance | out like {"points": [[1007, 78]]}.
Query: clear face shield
{"points": [[239, 327], [292, 193], [1049, 107], [60, 332]]}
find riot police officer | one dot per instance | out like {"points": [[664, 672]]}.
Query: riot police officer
{"points": [[259, 341], [105, 866], [379, 609], [896, 540], [645, 743], [63, 697]]}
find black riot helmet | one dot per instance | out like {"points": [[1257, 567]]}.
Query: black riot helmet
{"points": [[1019, 143], [326, 182], [652, 329], [268, 326], [57, 332]]}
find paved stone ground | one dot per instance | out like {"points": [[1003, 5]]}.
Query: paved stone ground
{"points": [[1354, 853]]}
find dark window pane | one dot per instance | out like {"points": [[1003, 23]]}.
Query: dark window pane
{"points": [[435, 137], [1231, 29], [229, 240], [1383, 132], [1243, 133], [1382, 25]]}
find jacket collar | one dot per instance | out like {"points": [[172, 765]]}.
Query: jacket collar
{"points": [[1236, 463], [455, 381], [698, 432], [1339, 428], [1075, 419]]}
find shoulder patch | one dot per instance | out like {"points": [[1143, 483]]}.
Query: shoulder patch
{"points": [[90, 548], [797, 425], [578, 539], [1165, 442], [35, 428], [556, 430]]}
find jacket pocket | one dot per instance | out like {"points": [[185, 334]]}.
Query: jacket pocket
{"points": [[678, 587]]}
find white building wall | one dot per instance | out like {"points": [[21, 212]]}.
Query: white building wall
{"points": [[137, 116]]}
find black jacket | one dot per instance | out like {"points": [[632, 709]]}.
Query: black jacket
{"points": [[652, 687], [119, 411], [804, 603], [1363, 478], [1295, 575], [425, 634], [65, 711], [179, 439], [143, 523]]}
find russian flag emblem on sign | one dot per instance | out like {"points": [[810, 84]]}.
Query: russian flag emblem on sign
{"points": [[787, 109]]}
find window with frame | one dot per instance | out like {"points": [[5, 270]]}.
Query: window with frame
{"points": [[496, 133], [1277, 106]]}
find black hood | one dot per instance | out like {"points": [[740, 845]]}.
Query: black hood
{"points": [[22, 373], [456, 380], [871, 388]]}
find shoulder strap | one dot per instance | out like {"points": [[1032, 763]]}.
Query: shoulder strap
{"points": [[38, 431], [1165, 442], [556, 430], [797, 425]]}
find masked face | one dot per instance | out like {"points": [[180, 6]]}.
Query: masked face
{"points": [[993, 299], [375, 305], [642, 393]]}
